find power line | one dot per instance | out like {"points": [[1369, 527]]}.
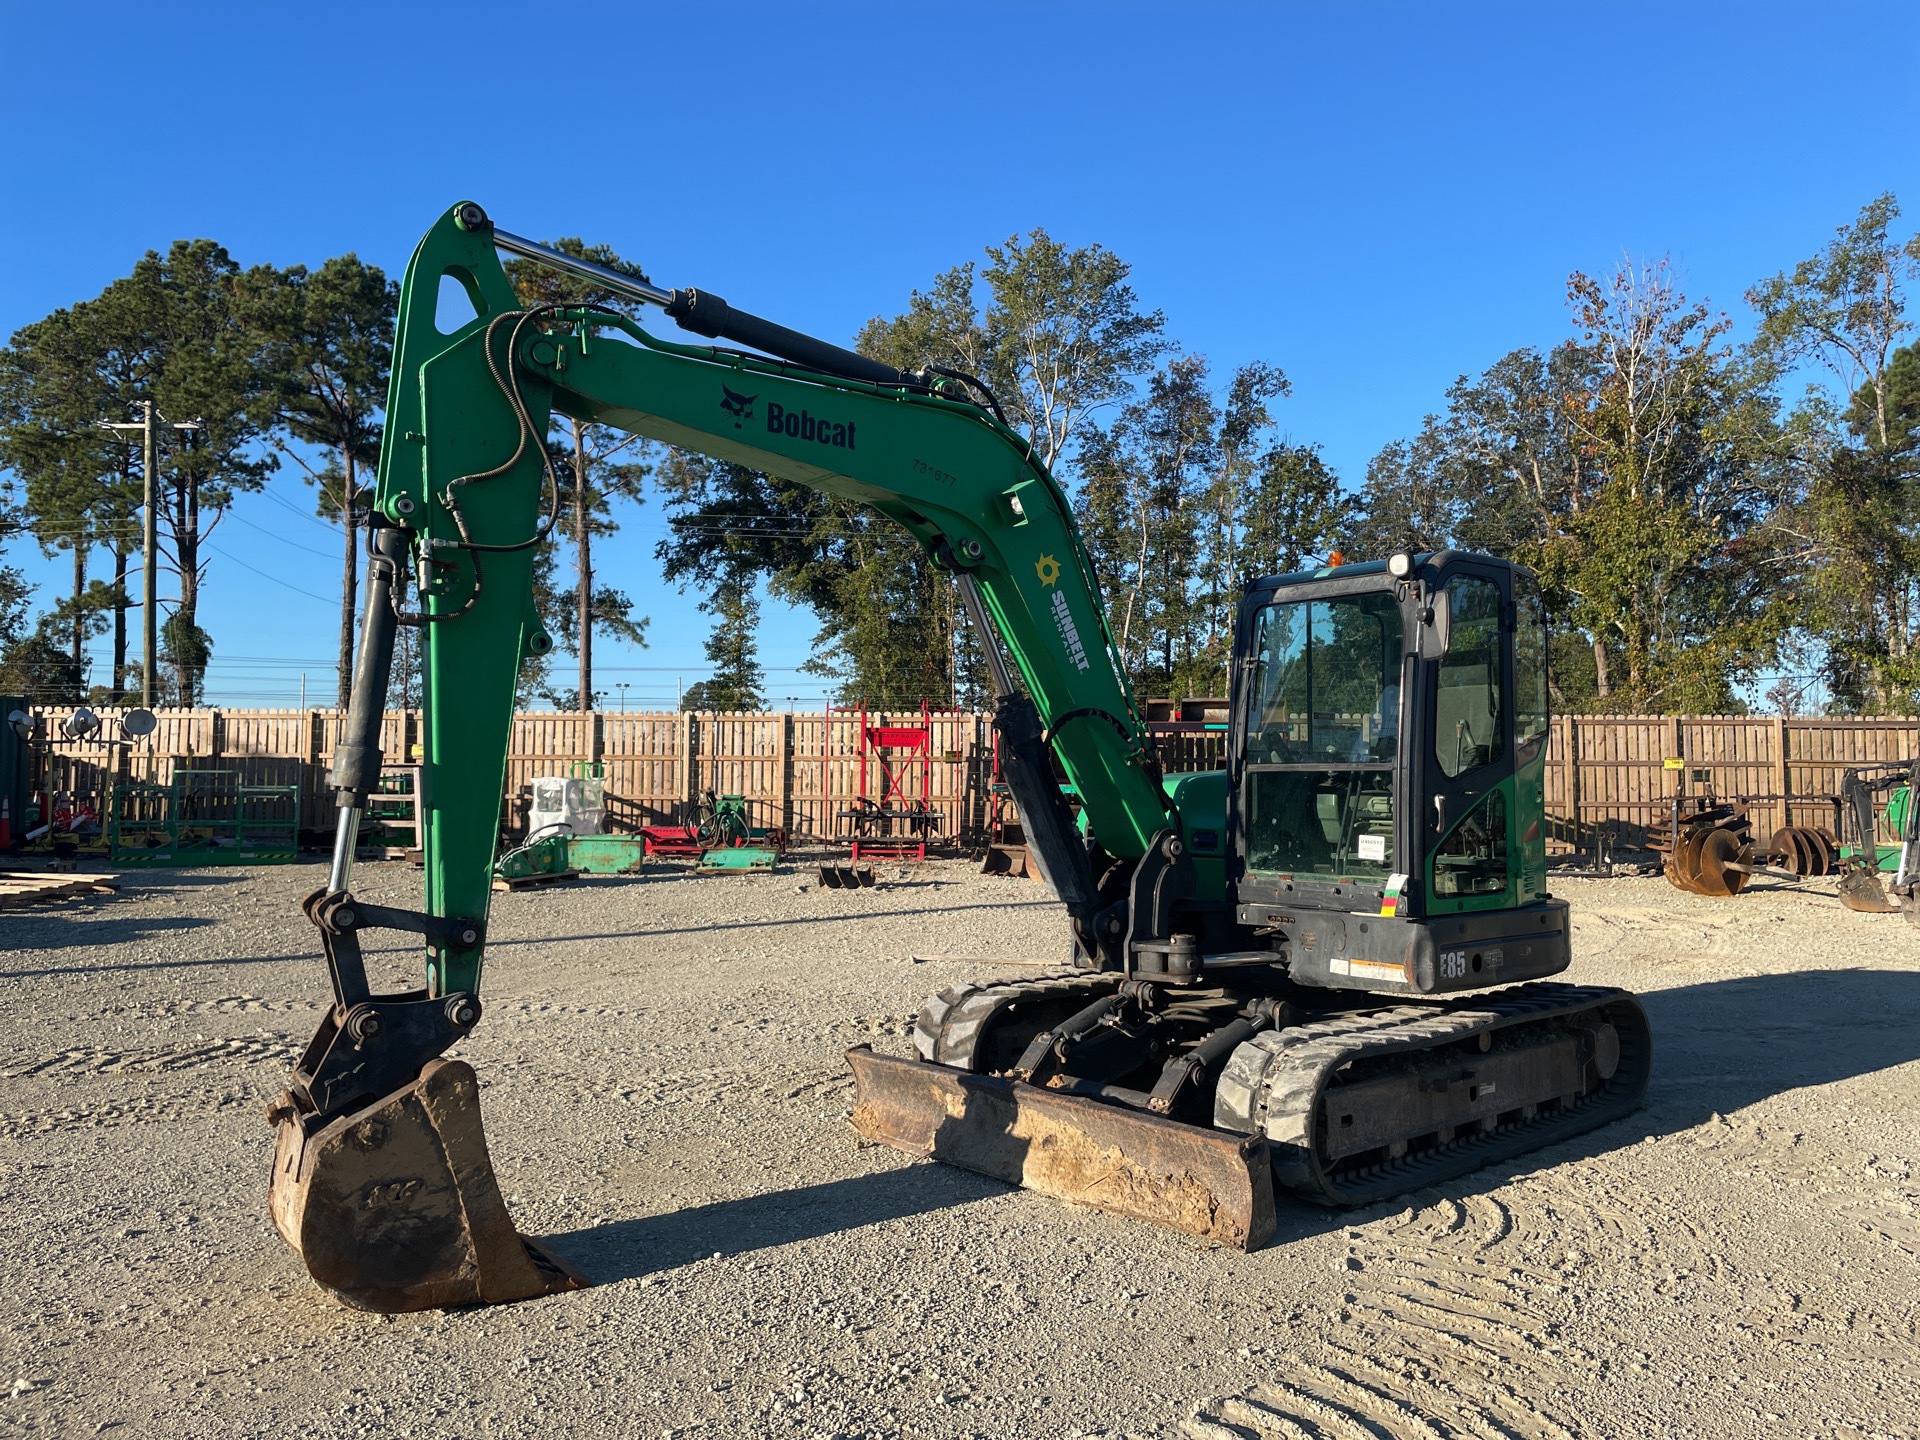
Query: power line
{"points": [[283, 539], [296, 510], [323, 599]]}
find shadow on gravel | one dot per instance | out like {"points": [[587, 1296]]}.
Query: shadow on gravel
{"points": [[148, 882], [496, 944], [628, 1249], [1721, 1046], [83, 931]]}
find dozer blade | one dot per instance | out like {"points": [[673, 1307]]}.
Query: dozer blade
{"points": [[1202, 1181], [395, 1207], [1860, 889]]}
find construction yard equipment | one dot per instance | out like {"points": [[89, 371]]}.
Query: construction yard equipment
{"points": [[847, 877], [1864, 861], [607, 854], [719, 823], [204, 817], [575, 802], [391, 827], [544, 858], [891, 817], [1269, 960], [1710, 850]]}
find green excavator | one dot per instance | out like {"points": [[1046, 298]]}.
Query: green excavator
{"points": [[1253, 990]]}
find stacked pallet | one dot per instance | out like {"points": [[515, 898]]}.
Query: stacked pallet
{"points": [[22, 888]]}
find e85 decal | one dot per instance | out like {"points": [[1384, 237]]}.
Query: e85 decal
{"points": [[1454, 964]]}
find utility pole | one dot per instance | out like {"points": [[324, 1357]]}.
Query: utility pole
{"points": [[149, 562], [149, 542]]}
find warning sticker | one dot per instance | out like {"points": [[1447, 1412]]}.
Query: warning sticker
{"points": [[1374, 848], [1380, 971]]}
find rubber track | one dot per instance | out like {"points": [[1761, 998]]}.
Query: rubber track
{"points": [[1275, 1083], [951, 1023]]}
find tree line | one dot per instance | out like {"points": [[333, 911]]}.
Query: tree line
{"points": [[1705, 516], [1717, 524]]}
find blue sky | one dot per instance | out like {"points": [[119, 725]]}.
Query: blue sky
{"points": [[1376, 197]]}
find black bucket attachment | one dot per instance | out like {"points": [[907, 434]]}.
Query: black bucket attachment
{"points": [[847, 877]]}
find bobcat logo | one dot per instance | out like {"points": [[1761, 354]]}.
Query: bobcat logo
{"points": [[740, 407]]}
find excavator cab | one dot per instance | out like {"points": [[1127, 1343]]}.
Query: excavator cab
{"points": [[1387, 785]]}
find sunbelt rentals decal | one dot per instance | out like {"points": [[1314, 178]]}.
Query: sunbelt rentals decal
{"points": [[1069, 632], [1047, 568]]}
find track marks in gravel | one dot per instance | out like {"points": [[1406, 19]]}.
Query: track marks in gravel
{"points": [[1358, 1398], [704, 1086], [134, 1110], [198, 1055], [1458, 1315], [234, 1005]]}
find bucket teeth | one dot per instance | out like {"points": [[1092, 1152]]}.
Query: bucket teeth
{"points": [[395, 1207]]}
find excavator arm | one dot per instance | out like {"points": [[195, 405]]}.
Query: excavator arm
{"points": [[466, 493]]}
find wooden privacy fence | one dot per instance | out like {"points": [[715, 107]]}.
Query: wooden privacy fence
{"points": [[1620, 772], [1623, 772]]}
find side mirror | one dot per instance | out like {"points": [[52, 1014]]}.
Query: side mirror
{"points": [[1436, 626]]}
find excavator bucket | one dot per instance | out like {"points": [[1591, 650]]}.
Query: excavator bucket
{"points": [[1860, 889], [395, 1207], [1205, 1182], [1006, 860]]}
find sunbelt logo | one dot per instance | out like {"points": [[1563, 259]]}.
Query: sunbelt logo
{"points": [[1069, 632], [804, 425]]}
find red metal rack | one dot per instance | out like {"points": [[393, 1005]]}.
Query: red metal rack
{"points": [[892, 817]]}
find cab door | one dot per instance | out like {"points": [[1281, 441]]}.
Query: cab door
{"points": [[1472, 813]]}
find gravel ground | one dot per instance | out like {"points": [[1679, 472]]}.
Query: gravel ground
{"points": [[667, 1104]]}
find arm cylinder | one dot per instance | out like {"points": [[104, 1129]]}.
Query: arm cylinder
{"points": [[707, 314]]}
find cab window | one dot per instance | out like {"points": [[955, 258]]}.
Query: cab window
{"points": [[1529, 663], [1469, 708]]}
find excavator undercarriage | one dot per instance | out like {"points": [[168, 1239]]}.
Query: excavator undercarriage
{"points": [[1189, 1110]]}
